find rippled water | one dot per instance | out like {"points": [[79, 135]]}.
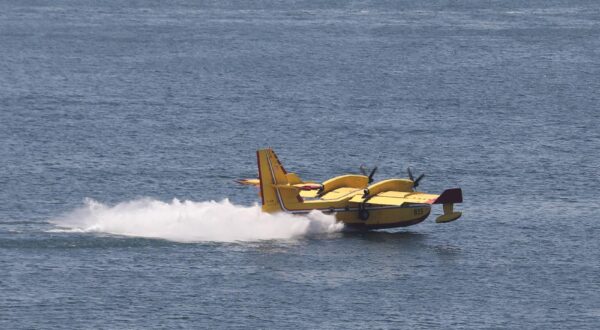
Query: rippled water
{"points": [[122, 126]]}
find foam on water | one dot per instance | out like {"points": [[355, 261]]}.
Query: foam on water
{"points": [[190, 221]]}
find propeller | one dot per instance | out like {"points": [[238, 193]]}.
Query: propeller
{"points": [[363, 170], [412, 178]]}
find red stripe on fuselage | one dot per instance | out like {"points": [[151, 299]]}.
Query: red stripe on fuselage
{"points": [[260, 181]]}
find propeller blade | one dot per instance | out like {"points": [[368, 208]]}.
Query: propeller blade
{"points": [[410, 175], [416, 182], [363, 170], [372, 174]]}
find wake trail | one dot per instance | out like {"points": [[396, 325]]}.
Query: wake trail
{"points": [[190, 221]]}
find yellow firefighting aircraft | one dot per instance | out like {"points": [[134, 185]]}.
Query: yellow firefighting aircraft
{"points": [[351, 198]]}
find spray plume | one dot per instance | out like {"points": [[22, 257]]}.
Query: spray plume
{"points": [[189, 221]]}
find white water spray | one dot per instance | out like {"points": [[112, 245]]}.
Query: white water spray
{"points": [[189, 221]]}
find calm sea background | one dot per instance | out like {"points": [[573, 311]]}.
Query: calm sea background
{"points": [[121, 120]]}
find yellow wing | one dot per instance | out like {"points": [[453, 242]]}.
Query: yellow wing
{"points": [[399, 198], [396, 198]]}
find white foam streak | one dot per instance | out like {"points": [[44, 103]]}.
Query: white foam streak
{"points": [[189, 221]]}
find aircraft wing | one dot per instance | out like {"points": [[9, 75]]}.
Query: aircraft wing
{"points": [[400, 198]]}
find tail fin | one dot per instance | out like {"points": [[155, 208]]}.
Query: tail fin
{"points": [[275, 192]]}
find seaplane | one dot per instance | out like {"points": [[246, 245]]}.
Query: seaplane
{"points": [[353, 199]]}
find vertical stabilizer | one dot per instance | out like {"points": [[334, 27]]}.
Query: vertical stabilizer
{"points": [[275, 191]]}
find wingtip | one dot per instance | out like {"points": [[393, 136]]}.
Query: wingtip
{"points": [[453, 195]]}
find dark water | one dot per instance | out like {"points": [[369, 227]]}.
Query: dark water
{"points": [[118, 101]]}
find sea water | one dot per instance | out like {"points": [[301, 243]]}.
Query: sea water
{"points": [[124, 124]]}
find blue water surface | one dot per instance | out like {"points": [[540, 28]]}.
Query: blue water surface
{"points": [[120, 100]]}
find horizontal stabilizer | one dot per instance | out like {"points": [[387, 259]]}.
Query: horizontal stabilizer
{"points": [[301, 186], [309, 186], [248, 182]]}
